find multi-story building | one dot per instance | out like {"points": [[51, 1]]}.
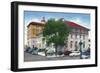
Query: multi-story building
{"points": [[34, 32], [78, 34]]}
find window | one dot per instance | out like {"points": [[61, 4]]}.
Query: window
{"points": [[28, 42], [76, 46], [71, 35], [76, 36], [66, 44], [86, 32], [33, 41], [80, 36], [71, 44], [89, 40], [84, 36], [84, 44], [76, 30], [73, 30]]}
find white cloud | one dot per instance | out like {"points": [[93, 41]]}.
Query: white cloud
{"points": [[77, 20]]}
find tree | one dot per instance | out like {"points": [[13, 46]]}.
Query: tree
{"points": [[56, 32]]}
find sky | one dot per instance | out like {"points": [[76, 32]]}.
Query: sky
{"points": [[79, 18]]}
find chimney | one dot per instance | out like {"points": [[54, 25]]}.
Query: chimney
{"points": [[43, 20]]}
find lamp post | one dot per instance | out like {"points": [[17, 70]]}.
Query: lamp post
{"points": [[80, 43]]}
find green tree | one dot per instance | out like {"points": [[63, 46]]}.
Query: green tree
{"points": [[56, 32]]}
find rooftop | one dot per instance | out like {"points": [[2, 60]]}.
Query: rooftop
{"points": [[72, 24], [36, 23]]}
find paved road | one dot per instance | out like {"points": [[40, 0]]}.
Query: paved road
{"points": [[28, 57]]}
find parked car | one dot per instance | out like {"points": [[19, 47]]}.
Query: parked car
{"points": [[50, 52], [67, 52], [27, 49], [86, 54], [74, 53], [41, 52], [60, 52], [85, 57], [34, 51]]}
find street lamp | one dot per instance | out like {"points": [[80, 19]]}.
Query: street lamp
{"points": [[80, 43]]}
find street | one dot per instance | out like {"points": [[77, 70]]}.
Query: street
{"points": [[29, 57]]}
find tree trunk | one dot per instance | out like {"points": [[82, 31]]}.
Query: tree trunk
{"points": [[45, 52], [56, 50]]}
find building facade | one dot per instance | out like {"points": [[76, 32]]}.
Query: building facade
{"points": [[78, 34], [33, 37]]}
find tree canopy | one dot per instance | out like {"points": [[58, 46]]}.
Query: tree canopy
{"points": [[56, 32]]}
